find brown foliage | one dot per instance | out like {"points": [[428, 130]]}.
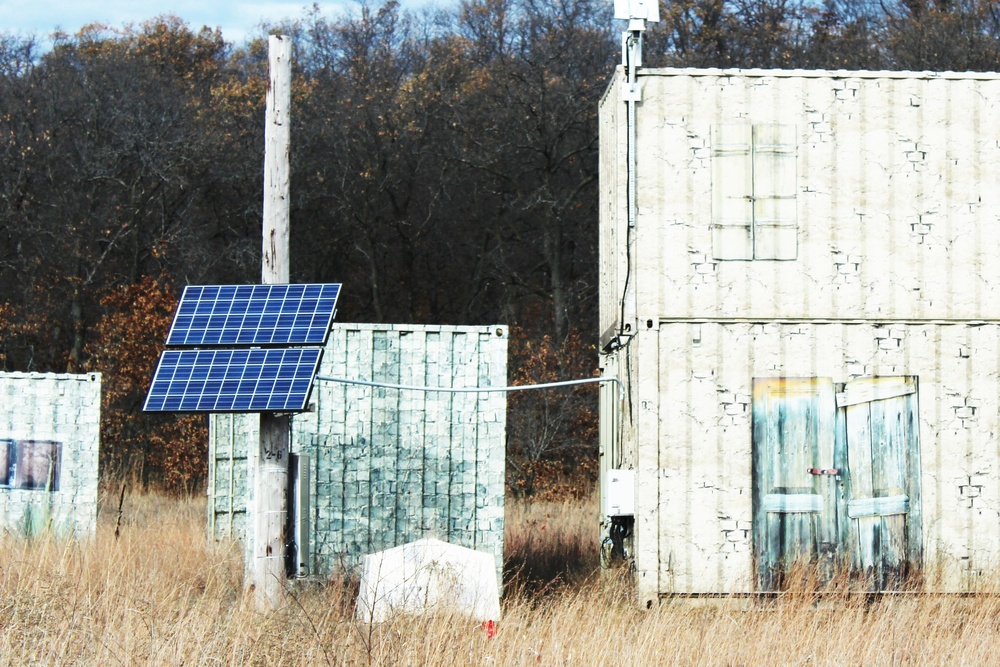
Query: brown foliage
{"points": [[30, 335], [552, 433], [160, 450]]}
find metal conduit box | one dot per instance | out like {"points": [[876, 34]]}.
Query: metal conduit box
{"points": [[620, 497]]}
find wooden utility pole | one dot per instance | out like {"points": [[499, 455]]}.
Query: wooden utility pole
{"points": [[271, 478]]}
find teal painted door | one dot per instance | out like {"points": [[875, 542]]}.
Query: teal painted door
{"points": [[835, 479], [878, 419], [795, 512]]}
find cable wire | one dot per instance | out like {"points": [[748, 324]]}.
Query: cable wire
{"points": [[475, 390]]}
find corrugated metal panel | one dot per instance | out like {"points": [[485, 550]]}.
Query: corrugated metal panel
{"points": [[63, 413], [894, 182], [758, 73], [702, 459], [896, 179], [389, 466], [227, 476]]}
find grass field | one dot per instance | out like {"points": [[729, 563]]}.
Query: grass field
{"points": [[159, 595]]}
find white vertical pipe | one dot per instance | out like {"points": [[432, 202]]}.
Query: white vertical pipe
{"points": [[631, 66]]}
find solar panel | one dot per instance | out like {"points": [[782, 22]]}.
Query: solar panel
{"points": [[254, 315], [259, 380]]}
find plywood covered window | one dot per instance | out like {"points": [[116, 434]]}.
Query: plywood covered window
{"points": [[753, 192]]}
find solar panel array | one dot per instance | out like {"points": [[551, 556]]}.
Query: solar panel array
{"points": [[273, 380], [254, 315], [276, 378]]}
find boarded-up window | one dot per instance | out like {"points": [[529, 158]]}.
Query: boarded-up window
{"points": [[753, 190]]}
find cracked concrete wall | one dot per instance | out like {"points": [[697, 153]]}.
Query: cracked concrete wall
{"points": [[700, 499], [897, 190], [61, 408], [897, 195], [387, 466]]}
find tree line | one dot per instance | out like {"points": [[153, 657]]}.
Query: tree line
{"points": [[444, 168]]}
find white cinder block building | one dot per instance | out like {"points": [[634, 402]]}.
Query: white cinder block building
{"points": [[50, 429], [804, 306]]}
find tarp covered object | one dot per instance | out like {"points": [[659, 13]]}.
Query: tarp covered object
{"points": [[428, 575]]}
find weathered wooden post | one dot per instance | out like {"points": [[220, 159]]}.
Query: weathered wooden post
{"points": [[271, 478]]}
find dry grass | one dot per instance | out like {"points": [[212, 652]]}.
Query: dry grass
{"points": [[161, 596], [549, 544]]}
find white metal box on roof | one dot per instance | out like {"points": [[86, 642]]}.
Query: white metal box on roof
{"points": [[801, 237], [50, 426], [386, 466]]}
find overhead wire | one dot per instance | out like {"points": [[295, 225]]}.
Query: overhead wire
{"points": [[475, 390]]}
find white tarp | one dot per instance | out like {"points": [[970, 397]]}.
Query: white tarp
{"points": [[428, 575]]}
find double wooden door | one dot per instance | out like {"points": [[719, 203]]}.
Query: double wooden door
{"points": [[836, 479]]}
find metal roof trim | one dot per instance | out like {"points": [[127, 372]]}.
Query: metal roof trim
{"points": [[817, 73]]}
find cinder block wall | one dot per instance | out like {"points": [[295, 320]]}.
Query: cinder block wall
{"points": [[387, 466], [59, 408]]}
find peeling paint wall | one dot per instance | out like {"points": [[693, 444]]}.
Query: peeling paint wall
{"points": [[387, 466], [52, 420], [701, 476], [896, 196], [898, 240], [897, 193]]}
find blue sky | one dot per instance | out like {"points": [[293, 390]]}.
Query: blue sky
{"points": [[236, 18]]}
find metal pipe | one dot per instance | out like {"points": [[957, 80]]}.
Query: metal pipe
{"points": [[631, 65]]}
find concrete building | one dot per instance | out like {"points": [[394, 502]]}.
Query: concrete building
{"points": [[802, 300], [50, 431], [377, 467]]}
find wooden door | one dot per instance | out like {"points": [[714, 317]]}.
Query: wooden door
{"points": [[882, 532], [836, 481], [795, 504]]}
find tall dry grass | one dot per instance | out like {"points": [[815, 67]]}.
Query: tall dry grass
{"points": [[549, 545], [160, 595]]}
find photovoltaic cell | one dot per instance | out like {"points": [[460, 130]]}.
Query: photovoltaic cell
{"points": [[258, 380], [233, 315]]}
